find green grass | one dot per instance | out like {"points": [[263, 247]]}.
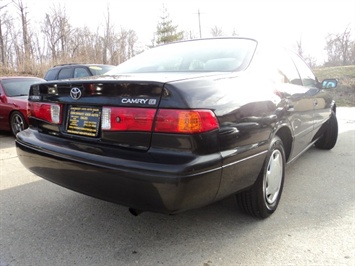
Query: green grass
{"points": [[344, 94]]}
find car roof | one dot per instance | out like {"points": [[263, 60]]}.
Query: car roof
{"points": [[74, 64], [18, 77]]}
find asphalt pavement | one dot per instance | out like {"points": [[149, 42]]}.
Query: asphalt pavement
{"points": [[44, 224]]}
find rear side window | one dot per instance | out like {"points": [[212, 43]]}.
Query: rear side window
{"points": [[307, 76], [51, 74], [287, 69], [276, 65], [65, 73]]}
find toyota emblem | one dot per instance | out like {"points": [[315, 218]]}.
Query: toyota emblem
{"points": [[75, 93]]}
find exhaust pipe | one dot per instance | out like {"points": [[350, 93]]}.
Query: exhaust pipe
{"points": [[135, 212]]}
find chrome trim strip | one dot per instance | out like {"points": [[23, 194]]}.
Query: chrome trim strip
{"points": [[304, 132], [242, 160], [301, 152]]}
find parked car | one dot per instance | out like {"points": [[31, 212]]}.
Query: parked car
{"points": [[67, 71], [13, 102], [181, 126]]}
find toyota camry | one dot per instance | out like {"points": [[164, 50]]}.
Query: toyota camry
{"points": [[181, 126]]}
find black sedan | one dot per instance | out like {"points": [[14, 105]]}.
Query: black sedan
{"points": [[181, 126]]}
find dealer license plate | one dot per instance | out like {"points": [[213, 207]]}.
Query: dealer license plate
{"points": [[84, 120]]}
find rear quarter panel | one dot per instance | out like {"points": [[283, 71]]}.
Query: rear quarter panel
{"points": [[246, 112]]}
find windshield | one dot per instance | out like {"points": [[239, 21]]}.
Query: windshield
{"points": [[221, 55], [18, 86]]}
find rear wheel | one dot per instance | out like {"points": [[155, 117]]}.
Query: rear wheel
{"points": [[330, 136], [262, 198], [17, 122]]}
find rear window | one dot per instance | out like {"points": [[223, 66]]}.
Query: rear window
{"points": [[99, 70], [51, 74], [221, 55]]}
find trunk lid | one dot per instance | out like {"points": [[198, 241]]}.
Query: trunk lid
{"points": [[81, 106], [113, 110]]}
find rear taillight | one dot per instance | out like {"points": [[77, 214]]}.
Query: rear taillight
{"points": [[49, 112], [166, 121], [127, 119], [185, 121]]}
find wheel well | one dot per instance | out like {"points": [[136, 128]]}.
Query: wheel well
{"points": [[16, 111], [284, 134], [10, 114], [9, 118]]}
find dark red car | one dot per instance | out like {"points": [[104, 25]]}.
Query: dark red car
{"points": [[13, 102]]}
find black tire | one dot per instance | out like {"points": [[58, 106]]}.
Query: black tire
{"points": [[17, 122], [262, 199], [330, 136]]}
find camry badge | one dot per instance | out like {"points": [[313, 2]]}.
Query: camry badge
{"points": [[75, 93]]}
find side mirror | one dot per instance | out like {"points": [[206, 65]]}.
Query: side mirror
{"points": [[329, 83]]}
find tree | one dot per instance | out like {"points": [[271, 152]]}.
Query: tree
{"points": [[309, 59], [25, 54], [107, 39], [125, 42], [235, 32], [4, 24], [352, 53], [216, 31], [166, 31], [339, 48], [57, 30], [299, 47]]}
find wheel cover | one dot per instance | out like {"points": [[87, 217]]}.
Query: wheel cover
{"points": [[17, 124], [273, 177]]}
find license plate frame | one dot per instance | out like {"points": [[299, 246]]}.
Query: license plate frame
{"points": [[83, 120]]}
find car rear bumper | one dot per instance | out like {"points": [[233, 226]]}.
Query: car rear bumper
{"points": [[140, 182]]}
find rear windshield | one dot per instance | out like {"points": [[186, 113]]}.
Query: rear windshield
{"points": [[221, 55], [99, 70], [18, 87]]}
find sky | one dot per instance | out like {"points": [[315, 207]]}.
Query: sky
{"points": [[285, 21]]}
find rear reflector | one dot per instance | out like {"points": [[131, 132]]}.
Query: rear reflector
{"points": [[185, 121], [46, 111]]}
